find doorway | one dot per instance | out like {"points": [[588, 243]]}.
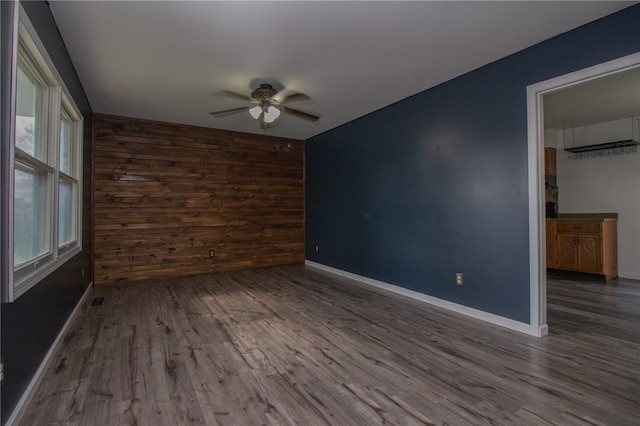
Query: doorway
{"points": [[536, 137]]}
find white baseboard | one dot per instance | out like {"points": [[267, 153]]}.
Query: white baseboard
{"points": [[629, 275], [27, 396], [461, 309]]}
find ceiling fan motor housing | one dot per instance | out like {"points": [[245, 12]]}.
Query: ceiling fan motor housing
{"points": [[264, 92]]}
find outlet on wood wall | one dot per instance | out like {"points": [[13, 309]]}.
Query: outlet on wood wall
{"points": [[165, 195]]}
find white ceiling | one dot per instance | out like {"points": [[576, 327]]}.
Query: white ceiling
{"points": [[169, 60], [605, 99]]}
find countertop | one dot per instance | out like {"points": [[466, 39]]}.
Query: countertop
{"points": [[585, 217]]}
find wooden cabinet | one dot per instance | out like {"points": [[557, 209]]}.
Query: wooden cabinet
{"points": [[552, 252], [550, 163], [579, 252], [583, 245]]}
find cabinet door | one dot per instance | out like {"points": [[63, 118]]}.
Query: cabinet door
{"points": [[566, 251], [589, 254], [551, 245]]}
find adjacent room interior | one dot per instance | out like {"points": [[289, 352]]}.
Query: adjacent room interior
{"points": [[320, 213]]}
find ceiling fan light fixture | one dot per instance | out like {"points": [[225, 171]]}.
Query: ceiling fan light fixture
{"points": [[271, 114], [264, 107], [255, 111]]}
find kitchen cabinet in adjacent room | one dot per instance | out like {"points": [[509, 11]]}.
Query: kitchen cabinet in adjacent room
{"points": [[583, 243]]}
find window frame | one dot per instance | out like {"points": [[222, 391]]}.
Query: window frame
{"points": [[29, 53], [70, 112]]}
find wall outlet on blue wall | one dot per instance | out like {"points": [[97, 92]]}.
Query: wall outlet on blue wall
{"points": [[458, 278]]}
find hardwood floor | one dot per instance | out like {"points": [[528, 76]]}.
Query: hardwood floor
{"points": [[293, 345]]}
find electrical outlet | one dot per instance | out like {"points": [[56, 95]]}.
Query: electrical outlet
{"points": [[316, 249], [212, 253], [458, 278]]}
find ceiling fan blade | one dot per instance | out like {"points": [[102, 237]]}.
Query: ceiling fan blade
{"points": [[296, 97], [236, 95], [230, 111], [300, 114]]}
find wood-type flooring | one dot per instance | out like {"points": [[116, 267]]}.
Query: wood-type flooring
{"points": [[294, 345]]}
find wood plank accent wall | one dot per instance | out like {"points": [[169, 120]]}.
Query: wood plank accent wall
{"points": [[166, 194]]}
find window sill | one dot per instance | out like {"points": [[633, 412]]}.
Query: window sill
{"points": [[43, 271]]}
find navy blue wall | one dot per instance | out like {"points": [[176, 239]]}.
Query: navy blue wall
{"points": [[437, 183], [31, 324]]}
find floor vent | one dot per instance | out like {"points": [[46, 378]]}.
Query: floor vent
{"points": [[97, 301]]}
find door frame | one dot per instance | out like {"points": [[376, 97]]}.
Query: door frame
{"points": [[535, 127]]}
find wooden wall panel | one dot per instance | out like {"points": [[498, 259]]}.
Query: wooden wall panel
{"points": [[165, 194]]}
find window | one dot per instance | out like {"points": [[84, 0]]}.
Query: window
{"points": [[47, 141], [68, 179]]}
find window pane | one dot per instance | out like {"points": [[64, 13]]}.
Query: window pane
{"points": [[30, 230], [66, 230], [29, 107], [65, 146]]}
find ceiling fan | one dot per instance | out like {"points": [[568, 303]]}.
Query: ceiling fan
{"points": [[264, 107]]}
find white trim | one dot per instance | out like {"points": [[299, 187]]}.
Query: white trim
{"points": [[537, 240], [461, 309], [7, 152], [30, 391], [629, 275], [535, 114], [36, 48]]}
